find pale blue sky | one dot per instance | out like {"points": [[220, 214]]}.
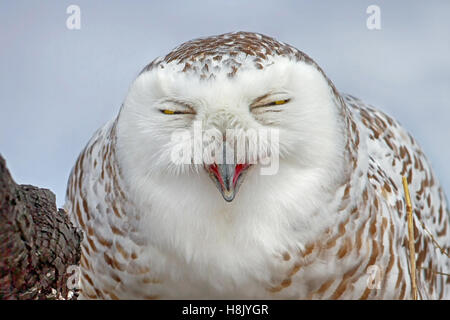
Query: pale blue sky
{"points": [[58, 86]]}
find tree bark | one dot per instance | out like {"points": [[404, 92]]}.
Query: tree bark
{"points": [[37, 243]]}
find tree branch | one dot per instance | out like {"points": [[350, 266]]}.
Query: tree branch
{"points": [[37, 243]]}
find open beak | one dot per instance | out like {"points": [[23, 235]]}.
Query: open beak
{"points": [[227, 177]]}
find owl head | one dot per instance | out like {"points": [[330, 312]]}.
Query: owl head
{"points": [[235, 112]]}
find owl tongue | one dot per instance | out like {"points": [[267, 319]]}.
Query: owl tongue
{"points": [[215, 170], [237, 171]]}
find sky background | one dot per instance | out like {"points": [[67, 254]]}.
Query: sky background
{"points": [[57, 86]]}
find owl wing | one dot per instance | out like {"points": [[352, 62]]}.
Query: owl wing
{"points": [[96, 202], [394, 153]]}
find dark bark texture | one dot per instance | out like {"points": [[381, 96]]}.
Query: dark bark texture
{"points": [[37, 243]]}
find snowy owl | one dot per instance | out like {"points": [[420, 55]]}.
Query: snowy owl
{"points": [[329, 223]]}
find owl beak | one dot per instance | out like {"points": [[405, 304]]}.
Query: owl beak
{"points": [[227, 178]]}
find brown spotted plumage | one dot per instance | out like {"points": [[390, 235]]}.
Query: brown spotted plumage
{"points": [[156, 234]]}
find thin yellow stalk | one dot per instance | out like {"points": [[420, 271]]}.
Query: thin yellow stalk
{"points": [[412, 250], [434, 240], [435, 272]]}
